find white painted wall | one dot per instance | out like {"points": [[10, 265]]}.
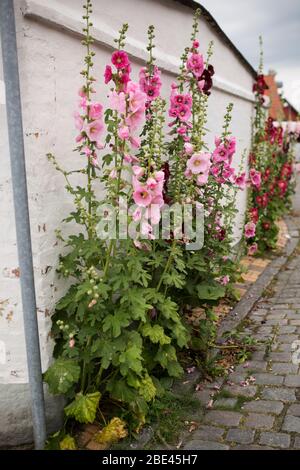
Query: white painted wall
{"points": [[50, 58]]}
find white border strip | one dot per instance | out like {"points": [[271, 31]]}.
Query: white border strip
{"points": [[64, 18], [2, 92]]}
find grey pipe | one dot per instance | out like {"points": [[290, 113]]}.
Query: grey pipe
{"points": [[18, 172]]}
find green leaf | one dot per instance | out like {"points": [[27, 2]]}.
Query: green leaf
{"points": [[210, 291], [84, 407], [155, 333], [62, 375], [68, 443], [116, 322], [131, 358]]}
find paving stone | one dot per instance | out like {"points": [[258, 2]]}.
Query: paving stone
{"points": [[287, 338], [284, 368], [291, 424], [280, 356], [228, 403], [276, 315], [259, 421], [287, 329], [253, 366], [297, 443], [252, 447], [241, 436], [295, 322], [292, 315], [258, 355], [208, 433], [264, 406], [237, 377], [294, 410], [292, 380], [281, 347], [275, 439], [205, 445], [204, 396], [268, 379], [237, 390], [282, 394], [225, 418]]}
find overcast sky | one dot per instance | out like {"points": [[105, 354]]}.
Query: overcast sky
{"points": [[279, 24]]}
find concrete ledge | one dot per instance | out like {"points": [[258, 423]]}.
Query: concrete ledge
{"points": [[66, 20], [15, 414]]}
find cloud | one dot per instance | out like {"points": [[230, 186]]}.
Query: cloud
{"points": [[279, 24]]}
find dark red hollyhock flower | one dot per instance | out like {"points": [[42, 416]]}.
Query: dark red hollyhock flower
{"points": [[286, 171], [266, 225], [252, 159], [166, 170], [265, 199], [268, 171], [260, 85], [282, 185], [207, 77], [259, 201], [221, 234], [254, 214]]}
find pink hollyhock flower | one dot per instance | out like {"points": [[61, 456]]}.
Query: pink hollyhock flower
{"points": [[254, 214], [255, 177], [93, 130], [199, 163], [159, 175], [183, 112], [231, 146], [195, 64], [95, 110], [252, 249], [137, 214], [120, 59], [240, 180], [228, 172], [138, 171], [99, 145], [215, 170], [87, 151], [188, 148], [81, 92], [188, 174], [195, 44], [250, 229], [117, 101], [201, 84], [220, 154], [107, 74], [72, 343], [218, 141], [135, 142], [224, 280], [123, 132], [78, 121], [203, 178], [83, 103], [181, 130], [152, 213], [142, 196], [151, 183], [79, 138], [113, 174], [137, 98]]}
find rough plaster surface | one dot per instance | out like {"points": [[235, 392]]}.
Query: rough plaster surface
{"points": [[15, 415], [50, 59]]}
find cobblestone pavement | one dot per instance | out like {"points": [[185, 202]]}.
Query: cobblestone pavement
{"points": [[263, 412]]}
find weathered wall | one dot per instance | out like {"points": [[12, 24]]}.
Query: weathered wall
{"points": [[50, 58]]}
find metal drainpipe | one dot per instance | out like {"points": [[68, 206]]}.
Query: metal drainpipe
{"points": [[18, 172]]}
